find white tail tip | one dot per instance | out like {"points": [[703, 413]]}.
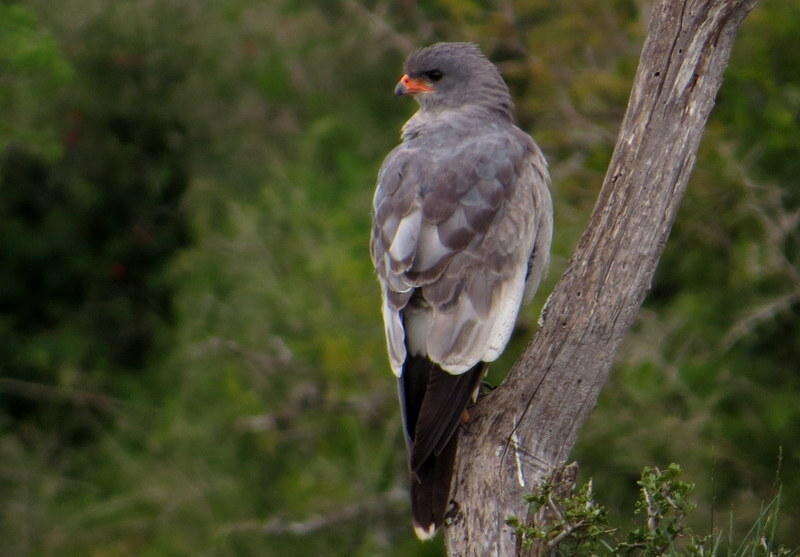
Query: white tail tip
{"points": [[425, 533]]}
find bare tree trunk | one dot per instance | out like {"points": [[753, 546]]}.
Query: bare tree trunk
{"points": [[526, 428]]}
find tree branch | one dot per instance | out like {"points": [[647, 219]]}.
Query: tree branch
{"points": [[382, 504], [554, 385], [41, 391]]}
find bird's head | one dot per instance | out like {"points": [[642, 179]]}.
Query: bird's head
{"points": [[453, 75]]}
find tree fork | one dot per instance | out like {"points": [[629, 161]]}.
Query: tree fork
{"points": [[525, 429]]}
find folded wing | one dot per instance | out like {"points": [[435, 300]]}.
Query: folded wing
{"points": [[459, 232]]}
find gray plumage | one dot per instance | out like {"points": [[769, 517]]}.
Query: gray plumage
{"points": [[462, 224]]}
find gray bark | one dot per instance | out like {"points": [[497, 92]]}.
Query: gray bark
{"points": [[525, 429]]}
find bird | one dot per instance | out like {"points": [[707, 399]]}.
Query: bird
{"points": [[460, 239]]}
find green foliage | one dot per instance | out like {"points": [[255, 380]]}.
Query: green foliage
{"points": [[664, 501], [34, 70], [576, 524], [88, 225]]}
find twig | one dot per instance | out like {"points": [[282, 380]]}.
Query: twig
{"points": [[258, 361], [568, 529], [652, 513], [298, 403], [381, 27], [32, 390], [277, 525], [768, 311], [765, 201], [555, 508]]}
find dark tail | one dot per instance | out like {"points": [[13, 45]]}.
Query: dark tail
{"points": [[432, 402]]}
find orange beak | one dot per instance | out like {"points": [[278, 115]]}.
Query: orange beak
{"points": [[409, 86]]}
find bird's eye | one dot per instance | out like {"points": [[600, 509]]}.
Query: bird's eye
{"points": [[434, 75]]}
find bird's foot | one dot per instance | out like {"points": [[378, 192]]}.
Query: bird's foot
{"points": [[486, 388]]}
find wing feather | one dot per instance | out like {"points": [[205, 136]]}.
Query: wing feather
{"points": [[465, 230], [403, 248]]}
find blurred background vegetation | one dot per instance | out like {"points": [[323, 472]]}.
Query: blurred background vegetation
{"points": [[192, 359]]}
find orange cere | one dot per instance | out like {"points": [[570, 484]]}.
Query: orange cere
{"points": [[413, 86]]}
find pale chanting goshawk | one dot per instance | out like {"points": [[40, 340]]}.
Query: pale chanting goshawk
{"points": [[460, 239]]}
